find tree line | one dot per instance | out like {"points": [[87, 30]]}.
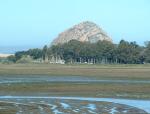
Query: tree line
{"points": [[102, 52]]}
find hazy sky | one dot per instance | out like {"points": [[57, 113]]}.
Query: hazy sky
{"points": [[34, 23]]}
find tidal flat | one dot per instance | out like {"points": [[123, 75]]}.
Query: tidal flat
{"points": [[67, 105], [129, 82]]}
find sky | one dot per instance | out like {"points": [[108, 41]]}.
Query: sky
{"points": [[34, 23]]}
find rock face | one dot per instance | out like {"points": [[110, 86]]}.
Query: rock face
{"points": [[84, 32]]}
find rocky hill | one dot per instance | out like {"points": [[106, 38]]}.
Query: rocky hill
{"points": [[85, 31]]}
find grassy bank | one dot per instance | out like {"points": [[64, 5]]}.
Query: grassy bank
{"points": [[136, 91], [98, 71]]}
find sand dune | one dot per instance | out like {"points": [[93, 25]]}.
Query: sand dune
{"points": [[5, 55]]}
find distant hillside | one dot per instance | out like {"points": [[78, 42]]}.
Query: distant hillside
{"points": [[85, 31]]}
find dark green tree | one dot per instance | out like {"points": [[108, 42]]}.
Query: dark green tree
{"points": [[147, 52], [45, 53], [35, 53], [12, 58]]}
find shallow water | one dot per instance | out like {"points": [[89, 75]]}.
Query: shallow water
{"points": [[66, 105], [82, 79]]}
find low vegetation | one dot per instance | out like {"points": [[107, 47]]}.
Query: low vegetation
{"points": [[99, 72]]}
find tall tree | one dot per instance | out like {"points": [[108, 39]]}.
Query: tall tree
{"points": [[45, 53], [147, 52]]}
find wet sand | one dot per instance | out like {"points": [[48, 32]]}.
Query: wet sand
{"points": [[67, 105]]}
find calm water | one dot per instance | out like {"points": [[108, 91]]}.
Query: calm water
{"points": [[36, 79]]}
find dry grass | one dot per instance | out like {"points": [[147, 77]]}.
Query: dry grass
{"points": [[99, 71]]}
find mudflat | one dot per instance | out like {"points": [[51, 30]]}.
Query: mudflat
{"points": [[94, 81]]}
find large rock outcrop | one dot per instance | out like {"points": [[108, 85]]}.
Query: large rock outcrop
{"points": [[84, 32]]}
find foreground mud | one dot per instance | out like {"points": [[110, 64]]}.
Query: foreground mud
{"points": [[64, 106]]}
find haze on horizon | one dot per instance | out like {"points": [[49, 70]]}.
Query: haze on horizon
{"points": [[34, 23]]}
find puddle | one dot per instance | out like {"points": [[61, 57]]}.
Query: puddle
{"points": [[65, 106]]}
